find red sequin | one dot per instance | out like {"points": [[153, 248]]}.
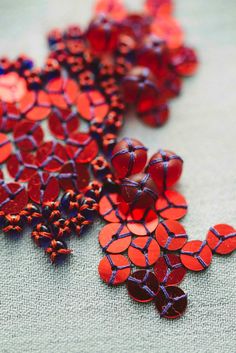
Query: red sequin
{"points": [[51, 156], [171, 302], [43, 187], [113, 8], [169, 270], [144, 252], [171, 205], [5, 148], [168, 29], [82, 147], [28, 135], [92, 105], [142, 286], [13, 198], [114, 269], [171, 235], [35, 105], [222, 239], [142, 222], [113, 208], [62, 92], [9, 116], [12, 87], [114, 238], [196, 255], [63, 122], [74, 176], [22, 166]]}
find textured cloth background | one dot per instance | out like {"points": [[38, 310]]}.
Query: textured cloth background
{"points": [[44, 309]]}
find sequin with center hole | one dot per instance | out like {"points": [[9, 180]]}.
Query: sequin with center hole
{"points": [[196, 255], [169, 270], [114, 269], [63, 122], [171, 235], [5, 147], [35, 105], [74, 176], [62, 92], [81, 147], [144, 252], [92, 105], [114, 238], [113, 208], [171, 302], [43, 187], [142, 222], [222, 239], [171, 205], [142, 286], [28, 135], [22, 166], [13, 198]]}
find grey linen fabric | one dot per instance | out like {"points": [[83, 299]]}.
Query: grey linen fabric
{"points": [[44, 309]]}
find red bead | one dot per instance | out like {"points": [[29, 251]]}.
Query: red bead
{"points": [[222, 239], [153, 54], [171, 302], [114, 238], [196, 255], [13, 198], [12, 87], [184, 61], [42, 235], [5, 147], [139, 87], [43, 187], [113, 208], [92, 104], [171, 235], [139, 190], [13, 224], [57, 250], [81, 147], [165, 168], [142, 221], [144, 251], [171, 205], [129, 156], [74, 176], [169, 270], [156, 116], [35, 105], [62, 92], [100, 167], [142, 286], [168, 29], [112, 8], [28, 135], [114, 269], [63, 122], [102, 34]]}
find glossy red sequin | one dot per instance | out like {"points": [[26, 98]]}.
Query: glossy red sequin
{"points": [[62, 92], [114, 238], [22, 166], [142, 286], [82, 147], [113, 8], [12, 87], [62, 123], [196, 255], [113, 208], [144, 252], [92, 105], [27, 135], [114, 269], [51, 156], [74, 176], [43, 187], [35, 105], [171, 205], [171, 302], [222, 239], [13, 198], [142, 222], [171, 235], [5, 148], [169, 270], [168, 29], [9, 116]]}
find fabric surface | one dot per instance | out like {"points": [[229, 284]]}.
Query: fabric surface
{"points": [[44, 309]]}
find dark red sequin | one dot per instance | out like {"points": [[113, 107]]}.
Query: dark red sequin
{"points": [[169, 270], [63, 122], [171, 302], [13, 198], [82, 147], [43, 187], [142, 286]]}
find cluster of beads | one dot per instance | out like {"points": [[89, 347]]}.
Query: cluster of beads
{"points": [[144, 243]]}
